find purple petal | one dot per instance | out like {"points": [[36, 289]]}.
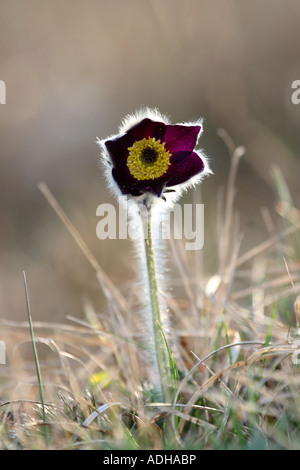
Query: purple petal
{"points": [[118, 147], [181, 140], [185, 169], [147, 128]]}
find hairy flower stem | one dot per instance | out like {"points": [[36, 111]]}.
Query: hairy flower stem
{"points": [[159, 352]]}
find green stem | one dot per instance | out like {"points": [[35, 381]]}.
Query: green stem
{"points": [[159, 355], [36, 359]]}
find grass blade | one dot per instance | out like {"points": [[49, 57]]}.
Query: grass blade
{"points": [[36, 359]]}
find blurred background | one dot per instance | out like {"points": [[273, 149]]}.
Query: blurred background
{"points": [[74, 69]]}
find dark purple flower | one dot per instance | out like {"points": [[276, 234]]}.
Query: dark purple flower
{"points": [[150, 155]]}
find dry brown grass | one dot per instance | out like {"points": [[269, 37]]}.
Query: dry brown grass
{"points": [[235, 341]]}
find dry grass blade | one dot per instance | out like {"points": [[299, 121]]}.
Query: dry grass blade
{"points": [[101, 410], [109, 288], [256, 356], [210, 380], [236, 154], [269, 243]]}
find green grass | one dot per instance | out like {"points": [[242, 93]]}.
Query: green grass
{"points": [[36, 359]]}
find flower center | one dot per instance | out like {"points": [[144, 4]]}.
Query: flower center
{"points": [[148, 159], [148, 155]]}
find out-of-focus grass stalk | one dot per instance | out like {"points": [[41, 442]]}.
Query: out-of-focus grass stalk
{"points": [[36, 359]]}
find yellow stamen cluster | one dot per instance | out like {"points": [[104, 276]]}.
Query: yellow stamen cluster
{"points": [[142, 169]]}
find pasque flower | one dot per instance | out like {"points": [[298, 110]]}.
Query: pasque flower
{"points": [[151, 156], [152, 160]]}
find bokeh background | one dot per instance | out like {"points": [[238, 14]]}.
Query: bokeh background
{"points": [[73, 69]]}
